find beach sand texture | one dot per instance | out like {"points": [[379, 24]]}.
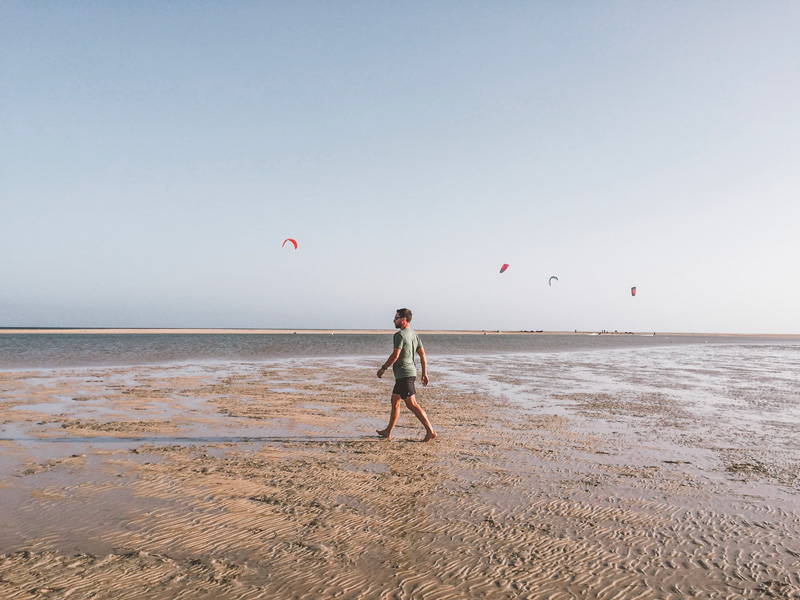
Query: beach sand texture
{"points": [[267, 481]]}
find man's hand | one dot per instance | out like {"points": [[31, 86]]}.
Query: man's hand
{"points": [[424, 380], [381, 371]]}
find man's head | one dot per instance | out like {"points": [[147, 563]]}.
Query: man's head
{"points": [[402, 317]]}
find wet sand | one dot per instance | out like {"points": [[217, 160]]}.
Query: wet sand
{"points": [[268, 481]]}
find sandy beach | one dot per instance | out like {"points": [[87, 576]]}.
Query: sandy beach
{"points": [[267, 481]]}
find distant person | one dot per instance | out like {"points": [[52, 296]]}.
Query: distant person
{"points": [[406, 344]]}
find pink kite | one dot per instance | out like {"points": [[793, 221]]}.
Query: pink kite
{"points": [[633, 291], [503, 268]]}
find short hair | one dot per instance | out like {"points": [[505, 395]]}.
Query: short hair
{"points": [[404, 312]]}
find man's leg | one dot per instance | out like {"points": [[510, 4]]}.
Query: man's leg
{"points": [[419, 412], [387, 433]]}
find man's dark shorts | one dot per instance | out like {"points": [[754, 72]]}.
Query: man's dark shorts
{"points": [[404, 387]]}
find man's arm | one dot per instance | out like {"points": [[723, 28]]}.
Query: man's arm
{"points": [[424, 360], [389, 362]]}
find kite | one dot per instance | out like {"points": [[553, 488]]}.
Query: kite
{"points": [[633, 291], [289, 240], [550, 281], [503, 268]]}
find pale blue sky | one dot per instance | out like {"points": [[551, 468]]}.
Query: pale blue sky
{"points": [[155, 155]]}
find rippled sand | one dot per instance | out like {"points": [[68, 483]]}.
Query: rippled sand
{"points": [[267, 481]]}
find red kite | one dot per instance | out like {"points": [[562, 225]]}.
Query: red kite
{"points": [[503, 268], [289, 240]]}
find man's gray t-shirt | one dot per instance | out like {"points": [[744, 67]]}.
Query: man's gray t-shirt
{"points": [[408, 341]]}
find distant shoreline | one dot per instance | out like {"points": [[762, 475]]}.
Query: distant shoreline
{"points": [[229, 331]]}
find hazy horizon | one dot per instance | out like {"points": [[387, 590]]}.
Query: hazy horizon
{"points": [[346, 331]]}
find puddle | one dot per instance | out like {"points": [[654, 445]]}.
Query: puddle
{"points": [[323, 407]]}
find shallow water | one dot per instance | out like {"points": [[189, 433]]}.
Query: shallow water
{"points": [[735, 383], [22, 351]]}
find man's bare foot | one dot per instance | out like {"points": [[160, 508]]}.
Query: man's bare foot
{"points": [[385, 434], [430, 437]]}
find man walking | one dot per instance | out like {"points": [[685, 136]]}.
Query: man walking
{"points": [[406, 344]]}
